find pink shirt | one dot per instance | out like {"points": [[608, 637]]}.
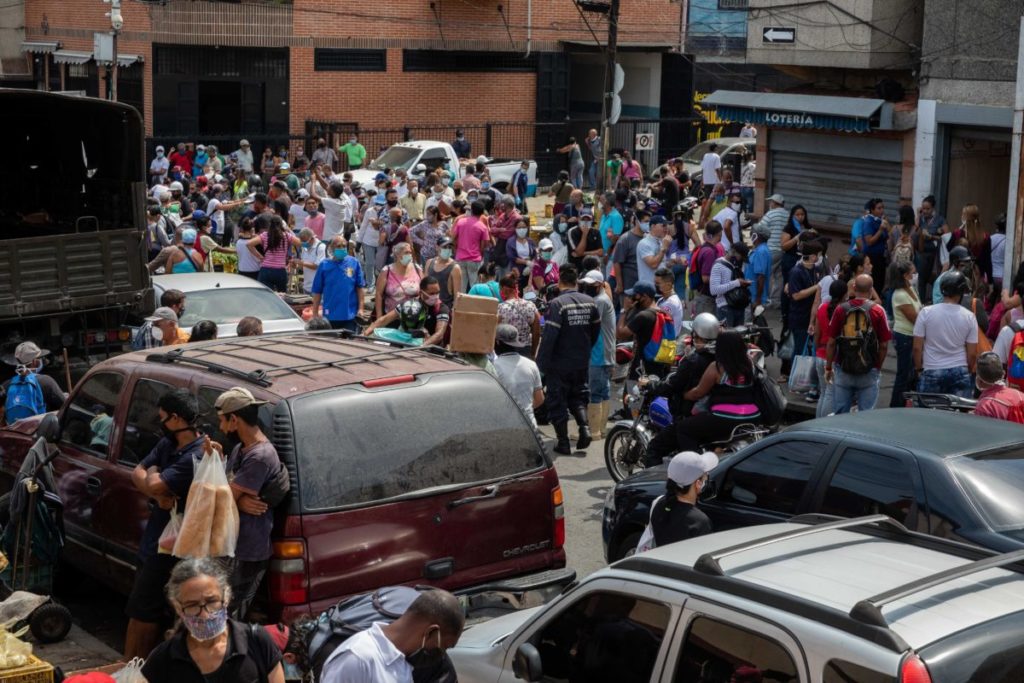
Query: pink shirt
{"points": [[278, 257], [470, 233], [316, 224]]}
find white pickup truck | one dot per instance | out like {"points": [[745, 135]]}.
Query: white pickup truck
{"points": [[416, 157]]}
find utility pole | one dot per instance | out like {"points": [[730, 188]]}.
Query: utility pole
{"points": [[116, 24], [608, 108], [1015, 203]]}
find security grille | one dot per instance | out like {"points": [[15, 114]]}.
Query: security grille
{"points": [[439, 60], [331, 59], [734, 4]]}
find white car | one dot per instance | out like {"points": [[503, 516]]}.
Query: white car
{"points": [[730, 149], [225, 299]]}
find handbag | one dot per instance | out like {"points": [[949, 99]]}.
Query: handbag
{"points": [[801, 376]]}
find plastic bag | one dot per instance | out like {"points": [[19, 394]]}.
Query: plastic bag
{"points": [[170, 533], [801, 376], [131, 673], [785, 350], [647, 538], [209, 527], [20, 605], [13, 651]]}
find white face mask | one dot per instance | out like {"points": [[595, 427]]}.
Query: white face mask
{"points": [[736, 207], [522, 232], [913, 280]]}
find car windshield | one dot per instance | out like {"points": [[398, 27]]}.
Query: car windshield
{"points": [[697, 152], [993, 481], [395, 158], [472, 433], [228, 305]]}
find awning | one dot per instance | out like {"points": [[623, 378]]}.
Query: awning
{"points": [[779, 110], [40, 47], [71, 57], [122, 60]]}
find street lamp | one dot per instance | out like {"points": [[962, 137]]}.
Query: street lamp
{"points": [[116, 23]]}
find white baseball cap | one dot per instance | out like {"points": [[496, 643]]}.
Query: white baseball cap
{"points": [[546, 244], [593, 277], [689, 466]]}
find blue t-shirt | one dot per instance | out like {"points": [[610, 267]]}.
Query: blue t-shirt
{"points": [[176, 470], [610, 221], [759, 263], [491, 289], [856, 232], [873, 224], [338, 282]]}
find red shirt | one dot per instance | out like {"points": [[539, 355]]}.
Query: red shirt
{"points": [[825, 334], [878, 321], [1002, 403], [182, 160]]}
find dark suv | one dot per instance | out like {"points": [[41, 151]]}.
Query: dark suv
{"points": [[407, 465], [945, 474]]}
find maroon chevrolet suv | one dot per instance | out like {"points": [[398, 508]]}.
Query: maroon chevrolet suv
{"points": [[408, 466]]}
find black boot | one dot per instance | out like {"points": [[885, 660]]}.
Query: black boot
{"points": [[563, 447], [581, 420]]}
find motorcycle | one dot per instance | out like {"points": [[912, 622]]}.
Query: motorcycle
{"points": [[947, 402]]}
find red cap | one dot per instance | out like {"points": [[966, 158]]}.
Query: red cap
{"points": [[94, 677], [201, 180], [279, 634]]}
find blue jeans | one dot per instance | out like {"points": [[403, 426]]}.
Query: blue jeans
{"points": [[679, 271], [748, 199], [576, 177], [827, 400], [956, 381], [862, 387], [592, 174], [730, 317], [600, 383], [904, 368]]}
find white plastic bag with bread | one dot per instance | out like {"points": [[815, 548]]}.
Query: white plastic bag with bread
{"points": [[209, 527]]}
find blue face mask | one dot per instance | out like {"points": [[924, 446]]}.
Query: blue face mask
{"points": [[292, 672], [305, 245], [645, 227], [339, 254]]}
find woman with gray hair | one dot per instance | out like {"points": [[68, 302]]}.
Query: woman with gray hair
{"points": [[207, 645]]}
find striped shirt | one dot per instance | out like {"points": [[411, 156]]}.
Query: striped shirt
{"points": [[776, 221], [278, 257]]}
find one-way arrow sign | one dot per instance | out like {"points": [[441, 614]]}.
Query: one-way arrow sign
{"points": [[778, 35]]}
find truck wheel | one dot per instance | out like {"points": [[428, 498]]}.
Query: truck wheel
{"points": [[50, 623], [626, 547]]}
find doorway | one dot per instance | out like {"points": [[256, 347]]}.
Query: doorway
{"points": [[220, 106]]}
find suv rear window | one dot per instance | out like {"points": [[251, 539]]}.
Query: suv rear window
{"points": [[356, 446], [993, 481]]}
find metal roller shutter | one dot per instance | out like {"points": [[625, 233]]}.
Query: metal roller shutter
{"points": [[833, 189]]}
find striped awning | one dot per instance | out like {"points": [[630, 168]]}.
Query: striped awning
{"points": [[71, 57], [780, 110], [40, 47], [122, 60]]}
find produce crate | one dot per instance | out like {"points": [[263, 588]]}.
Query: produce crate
{"points": [[36, 671]]}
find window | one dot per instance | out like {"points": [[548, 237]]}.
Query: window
{"points": [[775, 477], [473, 433], [228, 306], [88, 421], [734, 4], [868, 483], [143, 429], [603, 637], [455, 61], [434, 158], [716, 652], [209, 423], [838, 671], [330, 59], [993, 481]]}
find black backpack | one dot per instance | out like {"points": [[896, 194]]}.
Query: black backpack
{"points": [[858, 342], [769, 398], [358, 613], [737, 297]]}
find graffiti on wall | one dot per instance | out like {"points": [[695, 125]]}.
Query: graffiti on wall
{"points": [[711, 126]]}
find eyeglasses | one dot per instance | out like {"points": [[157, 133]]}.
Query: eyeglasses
{"points": [[195, 609]]}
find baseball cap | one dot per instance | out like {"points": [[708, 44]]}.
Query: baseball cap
{"points": [[380, 176], [201, 146], [587, 216], [506, 333], [658, 219], [546, 244], [26, 352], [778, 199], [990, 368], [163, 313], [243, 143], [235, 399], [176, 185], [285, 166], [689, 466], [380, 199], [199, 216], [642, 288], [160, 148], [763, 232], [302, 194], [188, 236], [593, 277]]}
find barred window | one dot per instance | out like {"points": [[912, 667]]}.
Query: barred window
{"points": [[465, 61], [734, 4], [331, 59]]}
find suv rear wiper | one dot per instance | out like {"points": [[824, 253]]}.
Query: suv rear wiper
{"points": [[491, 490]]}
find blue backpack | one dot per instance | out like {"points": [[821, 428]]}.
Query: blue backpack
{"points": [[24, 398]]}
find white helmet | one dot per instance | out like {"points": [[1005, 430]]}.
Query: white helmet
{"points": [[706, 326], [176, 186]]}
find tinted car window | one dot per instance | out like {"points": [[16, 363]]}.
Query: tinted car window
{"points": [[716, 652], [143, 429], [774, 478], [869, 483], [88, 420], [231, 305], [357, 447], [987, 653], [838, 671], [994, 482], [603, 637]]}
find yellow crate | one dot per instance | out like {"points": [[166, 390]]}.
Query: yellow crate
{"points": [[36, 671]]}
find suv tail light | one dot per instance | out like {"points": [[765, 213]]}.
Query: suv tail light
{"points": [[913, 670], [287, 575], [558, 533]]}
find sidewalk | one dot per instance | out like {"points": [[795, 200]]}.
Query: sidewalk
{"points": [[78, 652]]}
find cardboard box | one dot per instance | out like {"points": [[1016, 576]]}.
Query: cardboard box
{"points": [[474, 322]]}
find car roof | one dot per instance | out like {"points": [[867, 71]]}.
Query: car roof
{"points": [[291, 364], [197, 282], [420, 144], [838, 568], [938, 433]]}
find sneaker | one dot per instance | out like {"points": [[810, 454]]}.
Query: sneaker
{"points": [[812, 396]]}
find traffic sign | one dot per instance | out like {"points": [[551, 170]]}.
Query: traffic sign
{"points": [[774, 34], [644, 142]]}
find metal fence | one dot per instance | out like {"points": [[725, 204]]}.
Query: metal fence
{"points": [[508, 140]]}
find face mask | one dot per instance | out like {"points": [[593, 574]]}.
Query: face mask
{"points": [[305, 245], [424, 658], [522, 232], [392, 202], [458, 191], [645, 227], [445, 181], [485, 186], [446, 254], [546, 255], [159, 155], [913, 280], [405, 259], [438, 195], [157, 333], [339, 254], [171, 433], [292, 672], [431, 299], [206, 627], [352, 141], [562, 227], [736, 207], [413, 192]]}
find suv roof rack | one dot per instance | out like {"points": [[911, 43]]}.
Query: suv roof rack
{"points": [[258, 377], [708, 563], [870, 611]]}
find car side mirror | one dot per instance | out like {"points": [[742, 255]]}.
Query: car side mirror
{"points": [[420, 168], [709, 492], [527, 664]]}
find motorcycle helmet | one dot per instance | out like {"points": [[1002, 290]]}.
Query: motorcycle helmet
{"points": [[959, 254], [706, 326], [954, 284], [412, 314]]}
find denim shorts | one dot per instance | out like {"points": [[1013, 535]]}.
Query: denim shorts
{"points": [[956, 381], [600, 383]]}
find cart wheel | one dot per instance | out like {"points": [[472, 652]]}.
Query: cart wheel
{"points": [[50, 623]]}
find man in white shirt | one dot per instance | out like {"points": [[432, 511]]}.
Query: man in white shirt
{"points": [[388, 653], [243, 155], [946, 342], [709, 167], [517, 373], [313, 251], [729, 217], [748, 130]]}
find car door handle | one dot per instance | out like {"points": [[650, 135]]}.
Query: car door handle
{"points": [[491, 492], [93, 484], [440, 568]]}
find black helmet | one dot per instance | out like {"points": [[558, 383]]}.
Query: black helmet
{"points": [[954, 283], [412, 314], [959, 254]]}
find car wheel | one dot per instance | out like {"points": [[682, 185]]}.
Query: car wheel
{"points": [[626, 547]]}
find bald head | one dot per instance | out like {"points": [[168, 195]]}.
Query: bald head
{"points": [[862, 285]]}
